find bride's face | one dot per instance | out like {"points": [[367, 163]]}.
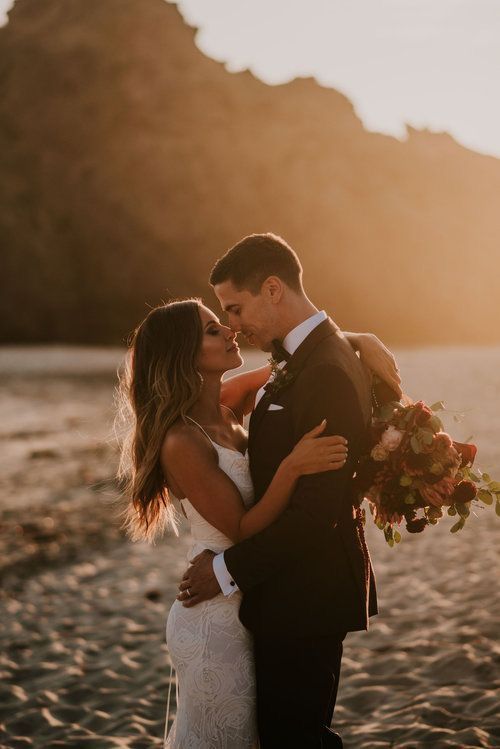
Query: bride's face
{"points": [[219, 351]]}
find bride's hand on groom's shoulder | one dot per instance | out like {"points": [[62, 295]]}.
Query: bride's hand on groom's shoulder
{"points": [[380, 360]]}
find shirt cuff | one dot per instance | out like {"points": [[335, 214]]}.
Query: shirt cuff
{"points": [[226, 582]]}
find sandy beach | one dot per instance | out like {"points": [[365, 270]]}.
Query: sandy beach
{"points": [[83, 611]]}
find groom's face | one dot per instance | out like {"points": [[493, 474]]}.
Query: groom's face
{"points": [[254, 315]]}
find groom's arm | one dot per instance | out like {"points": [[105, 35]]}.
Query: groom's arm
{"points": [[324, 391]]}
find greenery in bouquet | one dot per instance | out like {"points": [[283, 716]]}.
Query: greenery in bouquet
{"points": [[415, 472]]}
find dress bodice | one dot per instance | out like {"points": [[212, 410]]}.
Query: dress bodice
{"points": [[205, 536]]}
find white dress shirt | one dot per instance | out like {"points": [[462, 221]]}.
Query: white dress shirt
{"points": [[291, 342]]}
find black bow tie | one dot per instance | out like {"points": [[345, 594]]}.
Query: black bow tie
{"points": [[279, 351]]}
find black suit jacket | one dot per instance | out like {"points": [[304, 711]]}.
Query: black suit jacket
{"points": [[309, 573]]}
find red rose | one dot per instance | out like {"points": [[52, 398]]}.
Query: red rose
{"points": [[417, 525], [423, 415], [464, 492], [467, 452], [420, 415], [415, 464]]}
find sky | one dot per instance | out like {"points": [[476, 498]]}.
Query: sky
{"points": [[433, 64], [430, 63]]}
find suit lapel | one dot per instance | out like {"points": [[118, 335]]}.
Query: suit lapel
{"points": [[320, 332], [294, 364], [257, 414]]}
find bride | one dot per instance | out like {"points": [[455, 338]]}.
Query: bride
{"points": [[188, 443]]}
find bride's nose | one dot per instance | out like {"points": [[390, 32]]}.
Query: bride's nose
{"points": [[230, 335]]}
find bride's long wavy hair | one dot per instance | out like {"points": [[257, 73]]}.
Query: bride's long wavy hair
{"points": [[159, 384]]}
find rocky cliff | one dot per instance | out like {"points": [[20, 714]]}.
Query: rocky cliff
{"points": [[130, 162]]}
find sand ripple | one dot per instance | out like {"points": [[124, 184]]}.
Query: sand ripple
{"points": [[83, 661]]}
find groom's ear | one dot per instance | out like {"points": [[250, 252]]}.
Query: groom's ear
{"points": [[273, 288]]}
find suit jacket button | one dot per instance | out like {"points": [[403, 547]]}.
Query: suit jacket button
{"points": [[232, 582]]}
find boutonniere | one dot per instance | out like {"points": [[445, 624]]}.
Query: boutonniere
{"points": [[280, 377]]}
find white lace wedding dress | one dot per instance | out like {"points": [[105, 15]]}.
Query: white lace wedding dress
{"points": [[210, 649]]}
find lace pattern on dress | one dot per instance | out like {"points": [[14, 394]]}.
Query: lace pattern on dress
{"points": [[210, 649]]}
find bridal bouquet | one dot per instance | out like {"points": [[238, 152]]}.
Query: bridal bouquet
{"points": [[414, 471]]}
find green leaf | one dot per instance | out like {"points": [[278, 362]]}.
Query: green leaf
{"points": [[437, 469], [486, 477], [452, 510], [475, 477], [462, 510], [391, 542], [405, 480], [458, 526], [415, 445], [386, 411], [435, 424], [485, 496], [438, 406], [494, 486], [397, 537], [426, 436]]}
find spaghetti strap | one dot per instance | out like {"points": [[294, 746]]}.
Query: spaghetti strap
{"points": [[231, 412], [200, 427]]}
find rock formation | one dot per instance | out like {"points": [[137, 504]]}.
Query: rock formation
{"points": [[130, 161]]}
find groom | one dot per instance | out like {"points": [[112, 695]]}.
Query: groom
{"points": [[306, 579]]}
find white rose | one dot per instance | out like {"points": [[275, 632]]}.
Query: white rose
{"points": [[379, 452], [391, 438]]}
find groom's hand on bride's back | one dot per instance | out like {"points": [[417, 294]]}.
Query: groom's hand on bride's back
{"points": [[199, 582]]}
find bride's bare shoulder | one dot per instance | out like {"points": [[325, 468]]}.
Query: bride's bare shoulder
{"points": [[184, 439]]}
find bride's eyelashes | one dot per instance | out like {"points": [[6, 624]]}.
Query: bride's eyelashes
{"points": [[213, 330]]}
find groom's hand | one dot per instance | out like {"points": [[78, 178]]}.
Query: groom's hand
{"points": [[199, 582]]}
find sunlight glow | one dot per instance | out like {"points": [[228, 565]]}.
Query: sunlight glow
{"points": [[431, 65]]}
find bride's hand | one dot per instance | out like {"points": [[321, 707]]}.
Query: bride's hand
{"points": [[315, 454], [379, 359]]}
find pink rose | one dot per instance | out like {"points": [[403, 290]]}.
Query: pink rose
{"points": [[439, 493], [391, 438], [442, 440]]}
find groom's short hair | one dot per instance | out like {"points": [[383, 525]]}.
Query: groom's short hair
{"points": [[255, 258]]}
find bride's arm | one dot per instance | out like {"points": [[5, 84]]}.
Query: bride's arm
{"points": [[189, 461], [238, 392], [377, 357]]}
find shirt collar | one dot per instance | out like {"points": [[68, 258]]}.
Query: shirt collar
{"points": [[295, 337]]}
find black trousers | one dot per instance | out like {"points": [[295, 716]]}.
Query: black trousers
{"points": [[297, 683]]}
